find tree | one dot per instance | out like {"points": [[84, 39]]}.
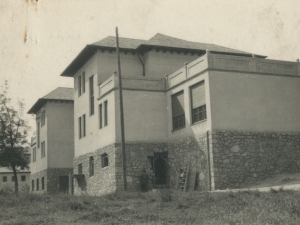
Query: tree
{"points": [[13, 136]]}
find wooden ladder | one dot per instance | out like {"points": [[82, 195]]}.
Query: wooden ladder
{"points": [[184, 181]]}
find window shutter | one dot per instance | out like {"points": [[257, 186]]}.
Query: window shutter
{"points": [[177, 104], [198, 95]]}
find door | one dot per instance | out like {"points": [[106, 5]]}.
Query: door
{"points": [[64, 184], [160, 167]]}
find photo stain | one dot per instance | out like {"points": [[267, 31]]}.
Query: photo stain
{"points": [[25, 35]]}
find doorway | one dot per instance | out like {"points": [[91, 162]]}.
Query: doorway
{"points": [[64, 184], [160, 169]]}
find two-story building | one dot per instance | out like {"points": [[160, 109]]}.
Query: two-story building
{"points": [[231, 116], [53, 149]]}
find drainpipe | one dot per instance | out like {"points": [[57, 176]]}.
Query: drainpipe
{"points": [[208, 161], [142, 63]]}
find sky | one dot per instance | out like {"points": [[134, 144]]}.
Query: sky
{"points": [[39, 38]]}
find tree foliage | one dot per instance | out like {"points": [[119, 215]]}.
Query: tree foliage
{"points": [[13, 136]]}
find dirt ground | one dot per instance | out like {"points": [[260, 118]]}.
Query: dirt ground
{"points": [[277, 180]]}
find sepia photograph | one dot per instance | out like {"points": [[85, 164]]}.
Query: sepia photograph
{"points": [[150, 112]]}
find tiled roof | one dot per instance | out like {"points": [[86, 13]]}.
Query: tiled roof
{"points": [[60, 93], [167, 41], [7, 170], [126, 43], [159, 40]]}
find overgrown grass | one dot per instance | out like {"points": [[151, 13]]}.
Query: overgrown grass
{"points": [[162, 207]]}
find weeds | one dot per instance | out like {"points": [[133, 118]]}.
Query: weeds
{"points": [[162, 207]]}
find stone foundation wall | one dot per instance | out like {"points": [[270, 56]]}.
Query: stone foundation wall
{"points": [[240, 158], [53, 175], [39, 175], [192, 150], [51, 179], [104, 180]]}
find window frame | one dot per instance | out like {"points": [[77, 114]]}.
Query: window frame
{"points": [[4, 179], [105, 113], [91, 166], [84, 125], [92, 99], [83, 83], [38, 135], [200, 110], [37, 184], [79, 85], [43, 183], [23, 176], [179, 118], [43, 118], [100, 116], [79, 168], [79, 128], [104, 160], [34, 154], [32, 185], [43, 149]]}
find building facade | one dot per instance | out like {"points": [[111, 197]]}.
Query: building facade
{"points": [[53, 151], [219, 111]]}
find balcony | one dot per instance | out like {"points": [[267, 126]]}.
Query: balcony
{"points": [[140, 83], [220, 62]]}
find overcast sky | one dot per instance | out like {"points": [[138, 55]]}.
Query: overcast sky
{"points": [[39, 38]]}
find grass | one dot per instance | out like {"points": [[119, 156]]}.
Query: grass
{"points": [[162, 207]]}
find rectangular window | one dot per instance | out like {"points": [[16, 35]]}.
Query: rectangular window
{"points": [[105, 114], [34, 154], [92, 95], [198, 102], [43, 183], [91, 166], [79, 127], [79, 85], [104, 160], [4, 179], [13, 179], [84, 126], [38, 135], [80, 168], [23, 178], [32, 185], [43, 150], [100, 116], [43, 118], [37, 184], [178, 111], [83, 82]]}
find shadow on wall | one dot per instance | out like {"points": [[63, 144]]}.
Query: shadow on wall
{"points": [[81, 181]]}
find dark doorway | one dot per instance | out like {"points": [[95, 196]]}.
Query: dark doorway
{"points": [[64, 184], [160, 167]]}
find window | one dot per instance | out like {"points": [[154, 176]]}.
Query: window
{"points": [[80, 168], [82, 126], [84, 130], [13, 179], [37, 184], [198, 102], [92, 95], [43, 118], [34, 154], [4, 179], [32, 185], [100, 116], [79, 85], [38, 135], [178, 111], [105, 113], [43, 183], [79, 127], [104, 160], [43, 150], [83, 82], [91, 166], [23, 178]]}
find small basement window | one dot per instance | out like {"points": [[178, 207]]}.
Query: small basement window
{"points": [[104, 160], [91, 166]]}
